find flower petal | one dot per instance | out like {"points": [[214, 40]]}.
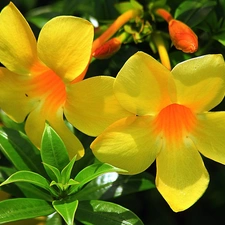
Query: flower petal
{"points": [[15, 93], [35, 125], [72, 143], [200, 82], [209, 135], [65, 45], [18, 51], [142, 85], [128, 144], [181, 175], [91, 105]]}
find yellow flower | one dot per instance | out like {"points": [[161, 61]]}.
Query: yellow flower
{"points": [[42, 80], [171, 123]]}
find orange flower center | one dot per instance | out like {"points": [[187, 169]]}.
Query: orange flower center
{"points": [[174, 122], [50, 89]]}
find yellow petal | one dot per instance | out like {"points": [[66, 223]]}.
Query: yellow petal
{"points": [[209, 135], [181, 175], [91, 105], [16, 93], [128, 144], [142, 85], [35, 125], [18, 51], [72, 143], [65, 45], [200, 82]]}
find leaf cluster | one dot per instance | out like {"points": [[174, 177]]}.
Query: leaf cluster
{"points": [[45, 183]]}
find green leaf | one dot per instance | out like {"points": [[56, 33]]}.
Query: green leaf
{"points": [[53, 172], [72, 182], [53, 150], [91, 172], [97, 212], [66, 209], [59, 185], [21, 189], [66, 172], [23, 208], [11, 124], [31, 191], [194, 12], [54, 219], [220, 37], [136, 4], [111, 185], [122, 7], [18, 149], [29, 177]]}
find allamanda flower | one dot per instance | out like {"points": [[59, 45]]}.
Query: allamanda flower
{"points": [[41, 80], [171, 123]]}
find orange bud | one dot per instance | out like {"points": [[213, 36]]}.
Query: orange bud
{"points": [[183, 37], [107, 49]]}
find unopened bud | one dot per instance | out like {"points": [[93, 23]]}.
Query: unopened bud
{"points": [[182, 36], [107, 49]]}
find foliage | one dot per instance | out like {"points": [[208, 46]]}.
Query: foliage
{"points": [[47, 183], [56, 189]]}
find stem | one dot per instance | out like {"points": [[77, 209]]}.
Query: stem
{"points": [[164, 14], [163, 54], [117, 24]]}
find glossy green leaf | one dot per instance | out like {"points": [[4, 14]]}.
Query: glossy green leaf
{"points": [[18, 149], [5, 172], [31, 191], [65, 186], [66, 172], [97, 212], [11, 124], [21, 189], [194, 12], [66, 209], [111, 185], [57, 184], [54, 219], [91, 172], [28, 177], [53, 150], [53, 172], [72, 182], [23, 208]]}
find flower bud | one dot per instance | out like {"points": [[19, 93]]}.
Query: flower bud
{"points": [[182, 36], [107, 49]]}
